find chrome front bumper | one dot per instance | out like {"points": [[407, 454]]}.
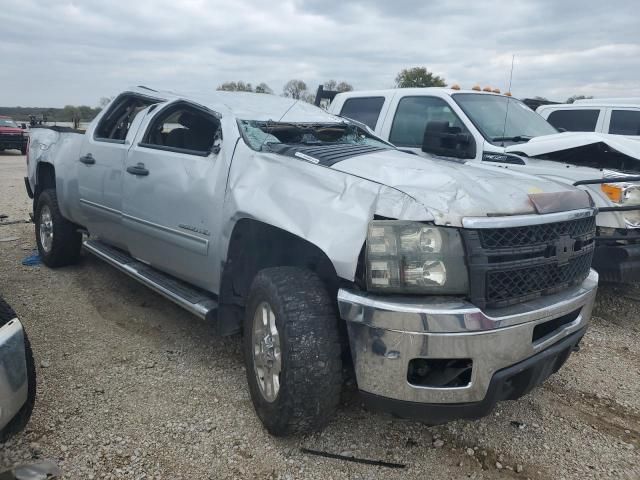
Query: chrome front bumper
{"points": [[386, 333], [13, 371]]}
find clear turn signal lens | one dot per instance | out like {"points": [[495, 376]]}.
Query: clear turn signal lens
{"points": [[428, 273]]}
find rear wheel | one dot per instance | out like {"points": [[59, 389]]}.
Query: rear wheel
{"points": [[292, 351], [21, 419], [58, 239]]}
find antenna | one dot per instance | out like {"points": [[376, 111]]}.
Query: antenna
{"points": [[506, 113], [279, 120]]}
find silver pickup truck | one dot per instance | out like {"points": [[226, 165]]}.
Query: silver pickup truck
{"points": [[449, 287]]}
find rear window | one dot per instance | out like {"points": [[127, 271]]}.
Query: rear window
{"points": [[365, 110], [625, 122], [575, 120]]}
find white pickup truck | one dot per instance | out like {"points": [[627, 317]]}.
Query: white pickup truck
{"points": [[614, 116], [484, 128], [450, 287]]}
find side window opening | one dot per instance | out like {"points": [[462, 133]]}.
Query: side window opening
{"points": [[415, 113], [625, 122], [115, 124], [186, 129], [363, 109], [579, 120]]}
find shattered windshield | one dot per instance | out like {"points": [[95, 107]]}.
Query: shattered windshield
{"points": [[263, 136], [488, 112], [5, 122]]}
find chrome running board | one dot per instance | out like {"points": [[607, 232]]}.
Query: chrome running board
{"points": [[200, 303]]}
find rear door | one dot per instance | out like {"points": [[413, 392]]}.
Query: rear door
{"points": [[577, 119], [369, 110], [623, 121], [100, 166], [169, 190]]}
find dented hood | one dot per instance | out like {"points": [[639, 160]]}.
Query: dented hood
{"points": [[451, 191], [564, 141]]}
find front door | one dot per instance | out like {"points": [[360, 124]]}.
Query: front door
{"points": [[169, 191]]}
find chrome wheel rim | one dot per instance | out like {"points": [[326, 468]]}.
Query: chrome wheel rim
{"points": [[46, 228], [267, 359]]}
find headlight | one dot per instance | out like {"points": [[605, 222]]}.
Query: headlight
{"points": [[413, 257], [625, 194]]}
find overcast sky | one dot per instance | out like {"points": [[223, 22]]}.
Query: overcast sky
{"points": [[61, 52]]}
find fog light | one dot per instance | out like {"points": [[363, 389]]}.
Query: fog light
{"points": [[440, 372]]}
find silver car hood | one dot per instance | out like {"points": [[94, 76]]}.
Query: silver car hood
{"points": [[451, 191]]}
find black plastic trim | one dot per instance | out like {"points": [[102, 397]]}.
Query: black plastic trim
{"points": [[621, 208], [326, 155], [617, 263], [598, 181], [109, 140], [485, 259]]}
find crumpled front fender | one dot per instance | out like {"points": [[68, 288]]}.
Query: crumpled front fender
{"points": [[324, 206]]}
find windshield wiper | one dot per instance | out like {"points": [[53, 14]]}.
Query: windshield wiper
{"points": [[516, 138]]}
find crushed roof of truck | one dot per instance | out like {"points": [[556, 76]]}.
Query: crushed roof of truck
{"points": [[248, 106]]}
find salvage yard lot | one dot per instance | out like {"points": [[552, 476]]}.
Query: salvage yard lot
{"points": [[131, 386]]}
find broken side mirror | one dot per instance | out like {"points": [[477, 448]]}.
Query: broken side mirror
{"points": [[441, 139]]}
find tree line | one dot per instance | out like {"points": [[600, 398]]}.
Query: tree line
{"points": [[415, 77], [295, 88], [68, 113]]}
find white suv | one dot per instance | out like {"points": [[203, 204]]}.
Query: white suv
{"points": [[616, 116]]}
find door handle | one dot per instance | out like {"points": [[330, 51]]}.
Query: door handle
{"points": [[138, 170], [88, 159]]}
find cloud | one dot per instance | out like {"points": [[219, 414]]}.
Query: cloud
{"points": [[56, 53]]}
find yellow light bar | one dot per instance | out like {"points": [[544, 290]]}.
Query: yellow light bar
{"points": [[614, 192]]}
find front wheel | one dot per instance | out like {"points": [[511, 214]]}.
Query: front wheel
{"points": [[292, 351], [58, 240]]}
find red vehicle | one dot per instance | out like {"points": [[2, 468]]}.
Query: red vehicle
{"points": [[12, 136]]}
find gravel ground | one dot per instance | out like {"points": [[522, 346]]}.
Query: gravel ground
{"points": [[131, 386]]}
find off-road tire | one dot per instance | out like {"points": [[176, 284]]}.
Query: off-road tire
{"points": [[67, 240], [311, 374], [21, 419]]}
